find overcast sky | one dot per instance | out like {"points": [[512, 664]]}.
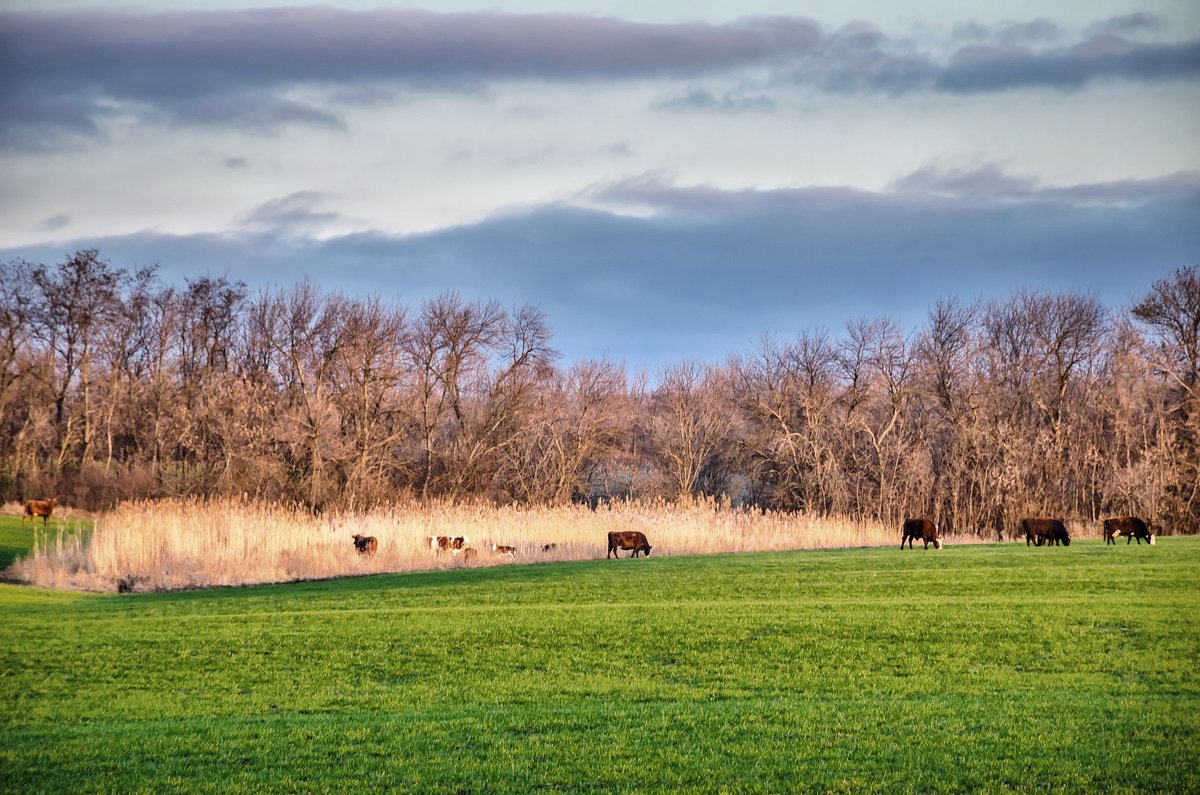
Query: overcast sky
{"points": [[664, 179]]}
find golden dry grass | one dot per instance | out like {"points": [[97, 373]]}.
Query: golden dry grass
{"points": [[192, 543]]}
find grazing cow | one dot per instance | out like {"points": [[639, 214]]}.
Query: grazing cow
{"points": [[443, 543], [627, 539], [1129, 526], [922, 529], [1045, 531], [504, 550], [42, 508], [549, 547], [366, 545]]}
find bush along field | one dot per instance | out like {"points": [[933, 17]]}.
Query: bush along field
{"points": [[990, 667]]}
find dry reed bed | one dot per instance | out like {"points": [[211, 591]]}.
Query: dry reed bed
{"points": [[194, 544]]}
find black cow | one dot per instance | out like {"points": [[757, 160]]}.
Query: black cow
{"points": [[627, 539], [922, 529], [1045, 531], [1129, 526]]}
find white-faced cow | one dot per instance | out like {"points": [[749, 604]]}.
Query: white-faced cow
{"points": [[1041, 531], [36, 508], [1129, 526], [922, 529], [366, 545], [627, 539]]}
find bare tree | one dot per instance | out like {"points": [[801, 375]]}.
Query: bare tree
{"points": [[448, 348], [73, 303], [691, 421], [369, 390], [1171, 313]]}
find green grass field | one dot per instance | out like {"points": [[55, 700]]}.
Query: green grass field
{"points": [[16, 536], [977, 668]]}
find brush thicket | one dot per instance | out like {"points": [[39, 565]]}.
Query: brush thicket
{"points": [[195, 543]]}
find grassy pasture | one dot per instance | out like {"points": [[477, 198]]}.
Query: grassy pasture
{"points": [[17, 535], [979, 667]]}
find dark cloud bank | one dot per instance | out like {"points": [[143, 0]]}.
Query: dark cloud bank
{"points": [[709, 270], [67, 74]]}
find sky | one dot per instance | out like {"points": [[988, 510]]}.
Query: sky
{"points": [[664, 180]]}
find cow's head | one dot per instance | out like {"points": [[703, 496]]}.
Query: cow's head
{"points": [[1151, 538], [937, 544]]}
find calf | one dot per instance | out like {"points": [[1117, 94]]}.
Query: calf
{"points": [[366, 545], [511, 552], [1129, 526], [42, 508], [1045, 531], [627, 539], [922, 529], [443, 543]]}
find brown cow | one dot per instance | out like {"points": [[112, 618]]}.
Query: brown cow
{"points": [[1129, 526], [627, 539], [922, 529], [442, 543], [504, 550], [42, 508], [366, 545], [1045, 531]]}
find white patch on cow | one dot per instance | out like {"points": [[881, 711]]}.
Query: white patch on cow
{"points": [[1152, 538]]}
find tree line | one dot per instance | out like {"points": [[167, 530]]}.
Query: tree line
{"points": [[114, 385]]}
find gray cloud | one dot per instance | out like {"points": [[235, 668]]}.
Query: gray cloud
{"points": [[1010, 33], [991, 182], [988, 68], [294, 214], [1127, 25], [54, 223], [710, 270], [220, 67], [69, 74], [729, 102]]}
